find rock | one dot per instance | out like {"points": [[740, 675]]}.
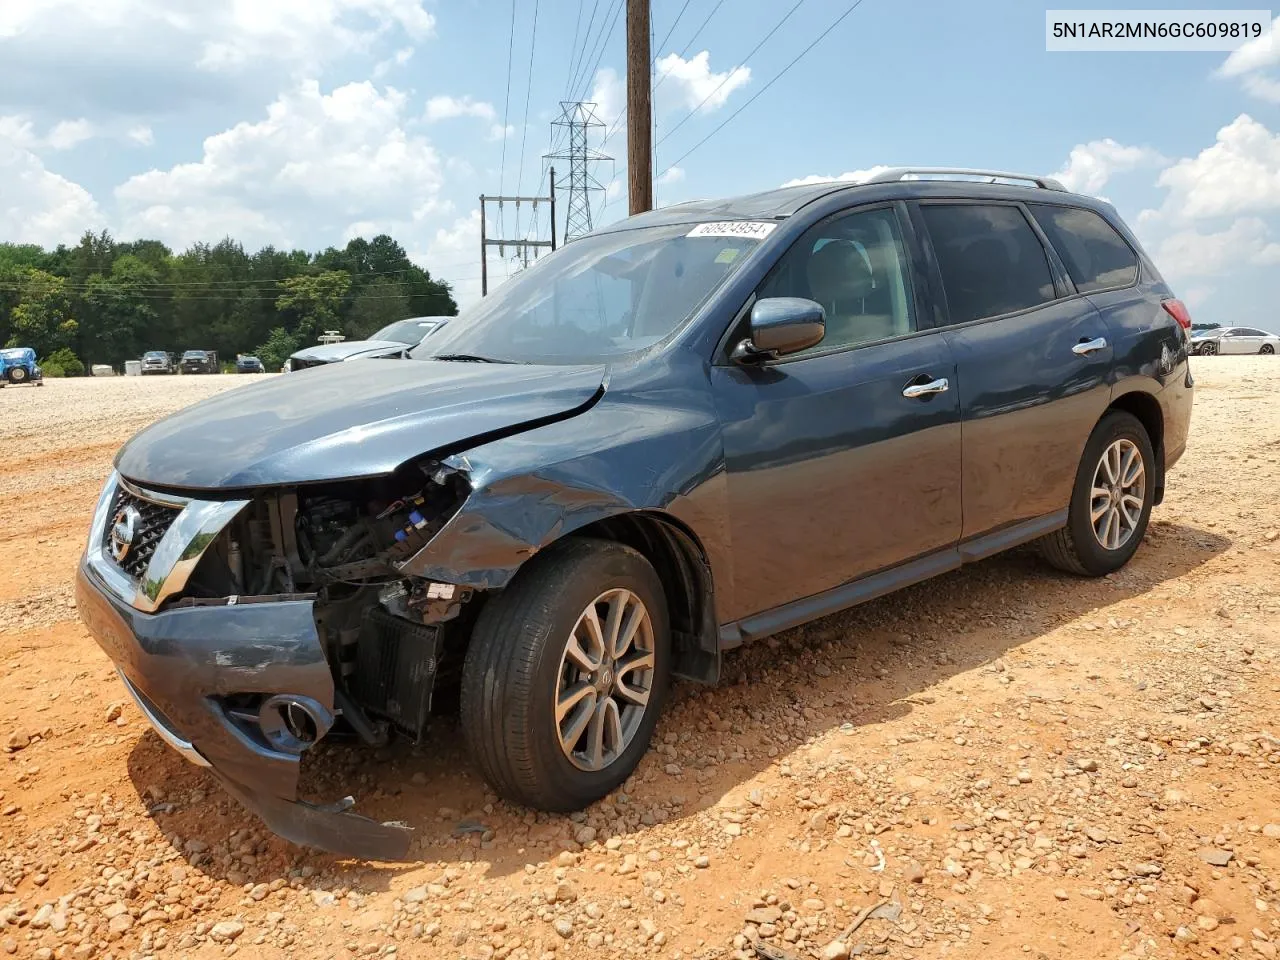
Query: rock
{"points": [[1148, 870], [41, 920], [1088, 766], [1207, 923], [564, 928], [413, 895], [18, 741], [120, 923], [1264, 949], [914, 873], [702, 862], [564, 893], [835, 950], [224, 931], [1204, 907], [113, 712], [763, 915], [1214, 856], [1061, 894], [585, 835], [1271, 831], [9, 945], [733, 829]]}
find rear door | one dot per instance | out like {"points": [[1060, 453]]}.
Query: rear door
{"points": [[1032, 358], [835, 466]]}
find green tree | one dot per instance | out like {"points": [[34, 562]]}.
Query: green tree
{"points": [[40, 319], [315, 301], [381, 302], [277, 349], [123, 309]]}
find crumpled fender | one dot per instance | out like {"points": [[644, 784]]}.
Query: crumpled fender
{"points": [[621, 456]]}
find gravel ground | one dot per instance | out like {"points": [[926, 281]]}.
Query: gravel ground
{"points": [[1004, 762]]}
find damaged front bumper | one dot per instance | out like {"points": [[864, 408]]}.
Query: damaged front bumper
{"points": [[230, 687]]}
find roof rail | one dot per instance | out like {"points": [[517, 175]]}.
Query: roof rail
{"points": [[894, 174]]}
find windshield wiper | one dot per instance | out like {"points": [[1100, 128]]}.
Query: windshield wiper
{"points": [[467, 358]]}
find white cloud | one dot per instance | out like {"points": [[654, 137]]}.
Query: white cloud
{"points": [[499, 132], [453, 253], [397, 59], [141, 135], [133, 57], [317, 163], [1252, 64], [609, 94], [1091, 165], [446, 108], [669, 176], [1239, 174], [689, 82], [37, 205], [852, 176], [1191, 253], [67, 133]]}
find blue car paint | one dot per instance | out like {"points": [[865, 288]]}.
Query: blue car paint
{"points": [[788, 488], [22, 358]]}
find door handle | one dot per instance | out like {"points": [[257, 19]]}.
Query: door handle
{"points": [[916, 390], [1085, 347]]}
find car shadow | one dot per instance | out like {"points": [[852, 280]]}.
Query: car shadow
{"points": [[852, 671]]}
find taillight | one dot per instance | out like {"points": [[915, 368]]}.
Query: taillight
{"points": [[1178, 310]]}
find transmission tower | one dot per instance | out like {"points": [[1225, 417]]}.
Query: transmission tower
{"points": [[577, 119]]}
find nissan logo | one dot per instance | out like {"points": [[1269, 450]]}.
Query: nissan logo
{"points": [[124, 527]]}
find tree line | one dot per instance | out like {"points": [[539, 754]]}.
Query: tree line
{"points": [[107, 301]]}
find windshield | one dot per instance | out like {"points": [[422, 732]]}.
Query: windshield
{"points": [[601, 296], [406, 331], [1217, 332], [153, 355], [193, 355]]}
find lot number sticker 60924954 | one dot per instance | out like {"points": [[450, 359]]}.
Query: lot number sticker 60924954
{"points": [[751, 229]]}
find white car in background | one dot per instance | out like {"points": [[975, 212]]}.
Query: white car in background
{"points": [[1227, 340]]}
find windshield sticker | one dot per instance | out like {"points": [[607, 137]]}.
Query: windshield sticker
{"points": [[727, 255], [751, 229]]}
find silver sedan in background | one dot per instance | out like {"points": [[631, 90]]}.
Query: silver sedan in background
{"points": [[1226, 340]]}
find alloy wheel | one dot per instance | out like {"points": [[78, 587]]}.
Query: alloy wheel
{"points": [[1118, 494], [1267, 348], [1209, 349], [606, 676]]}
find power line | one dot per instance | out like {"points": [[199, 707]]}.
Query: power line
{"points": [[575, 61], [674, 24], [729, 73], [506, 105], [758, 93], [697, 33], [604, 38], [524, 132]]}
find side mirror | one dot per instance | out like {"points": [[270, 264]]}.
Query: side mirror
{"points": [[779, 326]]}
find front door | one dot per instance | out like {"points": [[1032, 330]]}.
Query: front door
{"points": [[834, 472]]}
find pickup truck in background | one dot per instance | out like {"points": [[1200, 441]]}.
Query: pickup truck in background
{"points": [[18, 365], [158, 361], [199, 361]]}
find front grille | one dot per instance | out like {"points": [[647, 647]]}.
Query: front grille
{"points": [[301, 363], [154, 521]]}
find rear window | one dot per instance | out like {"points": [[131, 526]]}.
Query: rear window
{"points": [[1096, 256], [991, 260]]}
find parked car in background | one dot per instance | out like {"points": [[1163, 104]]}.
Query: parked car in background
{"points": [[18, 365], [249, 364], [583, 487], [393, 340], [1232, 340], [157, 362], [199, 361]]}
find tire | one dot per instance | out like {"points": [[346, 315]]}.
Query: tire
{"points": [[18, 375], [1077, 547], [517, 666], [1208, 349], [1267, 349]]}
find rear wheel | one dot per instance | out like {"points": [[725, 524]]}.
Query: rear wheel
{"points": [[1111, 502], [1267, 348], [566, 674]]}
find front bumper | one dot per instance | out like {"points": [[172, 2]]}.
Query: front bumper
{"points": [[192, 669]]}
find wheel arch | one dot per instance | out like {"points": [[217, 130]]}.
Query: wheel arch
{"points": [[1147, 409]]}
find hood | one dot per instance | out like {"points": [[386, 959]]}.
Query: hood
{"points": [[337, 422], [346, 350]]}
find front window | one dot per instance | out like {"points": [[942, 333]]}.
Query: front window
{"points": [[193, 355], [406, 331], [153, 355], [601, 296]]}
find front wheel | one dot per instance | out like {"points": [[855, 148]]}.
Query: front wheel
{"points": [[1267, 349], [1111, 502], [566, 674], [1208, 349], [18, 375]]}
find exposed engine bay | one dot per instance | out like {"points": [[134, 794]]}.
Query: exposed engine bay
{"points": [[384, 633]]}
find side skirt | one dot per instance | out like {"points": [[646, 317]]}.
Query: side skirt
{"points": [[793, 614]]}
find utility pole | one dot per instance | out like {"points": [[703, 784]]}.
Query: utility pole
{"points": [[639, 108], [520, 245], [578, 118]]}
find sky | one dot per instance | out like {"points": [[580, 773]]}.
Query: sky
{"points": [[303, 123]]}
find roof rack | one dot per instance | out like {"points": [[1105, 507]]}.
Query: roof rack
{"points": [[894, 174]]}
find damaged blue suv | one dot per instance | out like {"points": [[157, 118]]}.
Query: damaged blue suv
{"points": [[695, 428]]}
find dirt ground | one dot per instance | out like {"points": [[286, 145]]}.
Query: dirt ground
{"points": [[1012, 762]]}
